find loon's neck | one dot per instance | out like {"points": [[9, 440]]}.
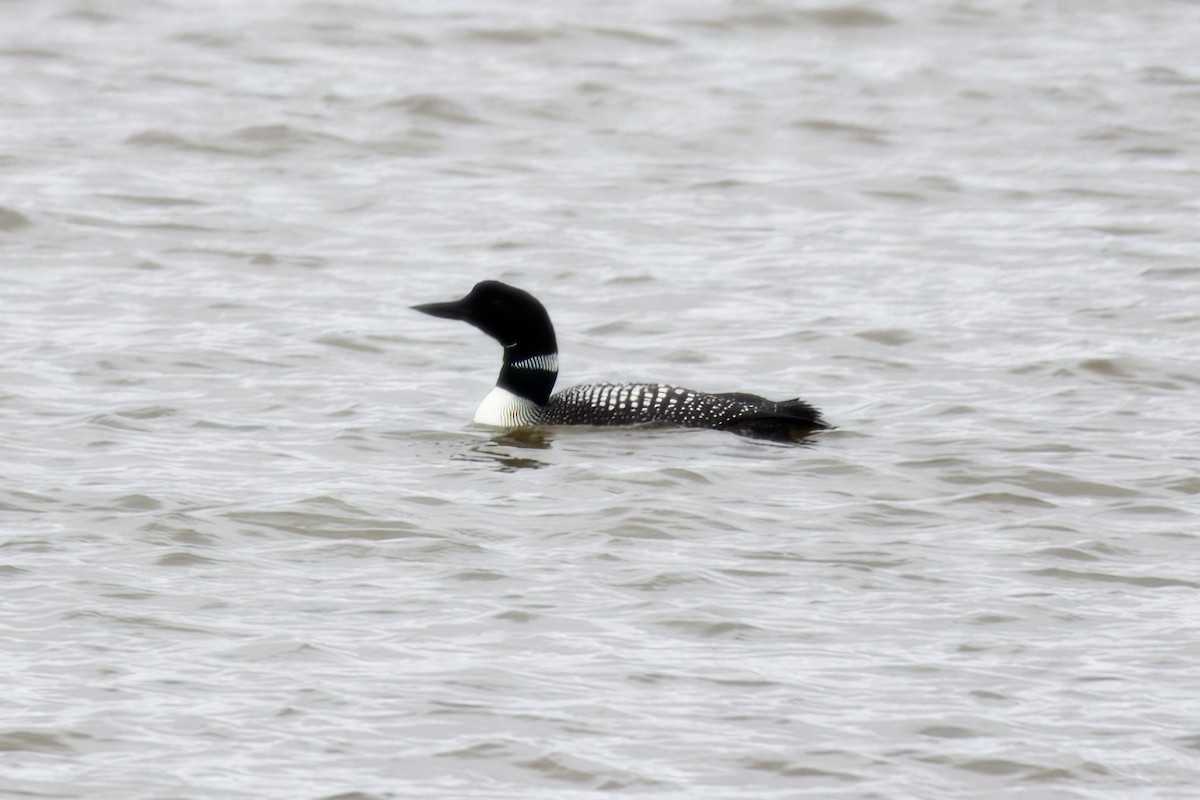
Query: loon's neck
{"points": [[530, 376], [521, 391]]}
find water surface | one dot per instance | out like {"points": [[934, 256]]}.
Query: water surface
{"points": [[251, 545]]}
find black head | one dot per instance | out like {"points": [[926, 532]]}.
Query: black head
{"points": [[509, 315]]}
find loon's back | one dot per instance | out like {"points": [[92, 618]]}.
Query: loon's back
{"points": [[640, 403], [522, 395]]}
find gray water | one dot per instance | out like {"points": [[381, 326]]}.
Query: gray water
{"points": [[251, 545]]}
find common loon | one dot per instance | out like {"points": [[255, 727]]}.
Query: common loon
{"points": [[522, 396]]}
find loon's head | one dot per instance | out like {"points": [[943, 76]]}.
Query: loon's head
{"points": [[509, 315], [520, 323]]}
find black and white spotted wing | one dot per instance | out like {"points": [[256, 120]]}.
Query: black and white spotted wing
{"points": [[634, 403]]}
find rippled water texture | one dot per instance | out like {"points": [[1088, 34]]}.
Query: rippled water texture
{"points": [[251, 545]]}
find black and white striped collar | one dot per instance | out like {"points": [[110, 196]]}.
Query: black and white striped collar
{"points": [[547, 362]]}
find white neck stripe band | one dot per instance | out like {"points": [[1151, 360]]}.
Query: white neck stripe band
{"points": [[548, 362]]}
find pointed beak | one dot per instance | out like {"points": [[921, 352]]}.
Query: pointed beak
{"points": [[454, 310]]}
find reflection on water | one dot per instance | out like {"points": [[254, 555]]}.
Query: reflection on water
{"points": [[495, 449], [526, 438]]}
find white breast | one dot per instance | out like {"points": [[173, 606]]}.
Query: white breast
{"points": [[503, 409]]}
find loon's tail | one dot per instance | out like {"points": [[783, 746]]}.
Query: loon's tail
{"points": [[784, 421]]}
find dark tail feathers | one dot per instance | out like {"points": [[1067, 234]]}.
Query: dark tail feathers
{"points": [[784, 421]]}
